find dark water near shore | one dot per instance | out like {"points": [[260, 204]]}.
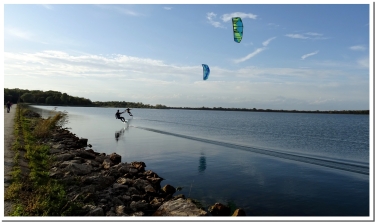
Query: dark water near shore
{"points": [[270, 164]]}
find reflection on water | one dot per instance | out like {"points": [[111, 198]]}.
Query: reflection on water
{"points": [[120, 133], [202, 163]]}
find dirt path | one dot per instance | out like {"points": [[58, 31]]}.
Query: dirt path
{"points": [[8, 152]]}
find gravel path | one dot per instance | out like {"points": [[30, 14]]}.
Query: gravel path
{"points": [[8, 152]]}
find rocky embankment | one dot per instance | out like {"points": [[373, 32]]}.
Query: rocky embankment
{"points": [[109, 187]]}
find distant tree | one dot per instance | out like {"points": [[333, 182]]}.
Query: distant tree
{"points": [[64, 98], [50, 100], [8, 98], [28, 98], [41, 100], [56, 99]]}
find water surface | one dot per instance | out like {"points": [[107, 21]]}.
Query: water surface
{"points": [[269, 164]]}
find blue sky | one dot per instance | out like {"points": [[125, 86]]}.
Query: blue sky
{"points": [[305, 57]]}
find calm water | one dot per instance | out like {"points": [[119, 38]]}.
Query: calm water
{"points": [[269, 164]]}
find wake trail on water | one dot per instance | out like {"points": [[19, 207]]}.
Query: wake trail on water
{"points": [[356, 168], [247, 130]]}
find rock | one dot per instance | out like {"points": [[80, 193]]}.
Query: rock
{"points": [[126, 198], [85, 154], [113, 172], [138, 214], [64, 157], [105, 181], [123, 169], [78, 169], [96, 212], [53, 151], [115, 158], [88, 207], [179, 207], [133, 190], [99, 159], [111, 213], [92, 163], [136, 197], [179, 196], [219, 209], [139, 205], [122, 180], [120, 210], [83, 142], [155, 181], [119, 186], [67, 163], [140, 184], [133, 171], [168, 189], [139, 165], [116, 201], [107, 163], [151, 174], [239, 212], [149, 189]]}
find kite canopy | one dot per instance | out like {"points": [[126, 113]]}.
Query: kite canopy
{"points": [[237, 29], [206, 71]]}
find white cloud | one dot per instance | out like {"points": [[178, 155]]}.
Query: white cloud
{"points": [[309, 54], [228, 17], [296, 36], [211, 16], [307, 35], [102, 77], [357, 48], [249, 56], [363, 62], [265, 43], [167, 8], [257, 51], [314, 34], [19, 33]]}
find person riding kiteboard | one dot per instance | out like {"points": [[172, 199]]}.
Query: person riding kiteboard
{"points": [[128, 111], [118, 116]]}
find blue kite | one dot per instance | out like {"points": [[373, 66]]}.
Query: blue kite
{"points": [[206, 71]]}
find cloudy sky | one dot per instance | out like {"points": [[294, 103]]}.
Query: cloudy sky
{"points": [[305, 57]]}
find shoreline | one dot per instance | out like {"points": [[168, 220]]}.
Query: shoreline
{"points": [[102, 185], [350, 112]]}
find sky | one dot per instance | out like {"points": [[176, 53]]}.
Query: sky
{"points": [[300, 56]]}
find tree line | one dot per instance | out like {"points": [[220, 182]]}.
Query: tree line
{"points": [[128, 104], [62, 99], [56, 98], [275, 110], [43, 97]]}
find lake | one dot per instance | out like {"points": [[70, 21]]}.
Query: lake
{"points": [[268, 163]]}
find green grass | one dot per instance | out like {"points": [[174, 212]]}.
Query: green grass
{"points": [[36, 194]]}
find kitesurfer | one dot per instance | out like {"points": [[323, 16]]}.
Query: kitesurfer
{"points": [[118, 116], [128, 111]]}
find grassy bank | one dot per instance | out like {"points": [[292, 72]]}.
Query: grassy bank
{"points": [[32, 190]]}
